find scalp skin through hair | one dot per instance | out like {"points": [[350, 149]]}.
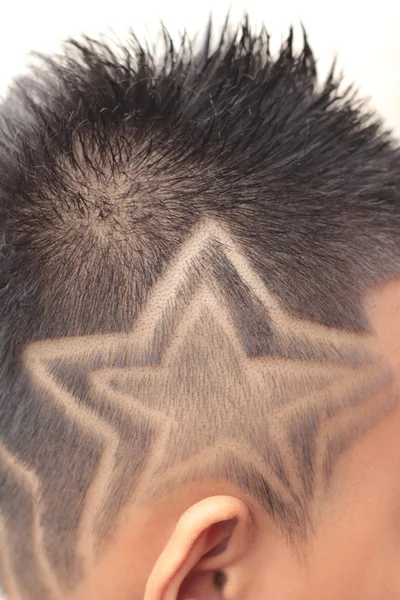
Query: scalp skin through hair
{"points": [[185, 247]]}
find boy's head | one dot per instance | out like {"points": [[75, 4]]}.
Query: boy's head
{"points": [[200, 315]]}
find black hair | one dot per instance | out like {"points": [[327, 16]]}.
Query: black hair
{"points": [[109, 161]]}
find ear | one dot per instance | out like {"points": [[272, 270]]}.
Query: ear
{"points": [[205, 553]]}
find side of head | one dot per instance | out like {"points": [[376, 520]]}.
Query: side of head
{"points": [[199, 355]]}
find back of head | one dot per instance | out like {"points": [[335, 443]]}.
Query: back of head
{"points": [[185, 248]]}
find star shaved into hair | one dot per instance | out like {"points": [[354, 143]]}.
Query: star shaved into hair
{"points": [[216, 370], [187, 244]]}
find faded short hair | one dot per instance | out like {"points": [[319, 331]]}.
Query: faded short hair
{"points": [[216, 191]]}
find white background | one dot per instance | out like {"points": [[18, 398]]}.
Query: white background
{"points": [[365, 35]]}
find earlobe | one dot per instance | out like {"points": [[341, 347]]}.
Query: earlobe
{"points": [[210, 536]]}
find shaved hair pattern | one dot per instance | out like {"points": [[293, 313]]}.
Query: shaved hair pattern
{"points": [[214, 381], [186, 247]]}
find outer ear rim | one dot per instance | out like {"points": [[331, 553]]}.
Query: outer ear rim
{"points": [[191, 541]]}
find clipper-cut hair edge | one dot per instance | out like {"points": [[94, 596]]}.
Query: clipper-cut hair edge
{"points": [[114, 164]]}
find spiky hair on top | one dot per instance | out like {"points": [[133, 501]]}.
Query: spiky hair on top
{"points": [[227, 131], [108, 162]]}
